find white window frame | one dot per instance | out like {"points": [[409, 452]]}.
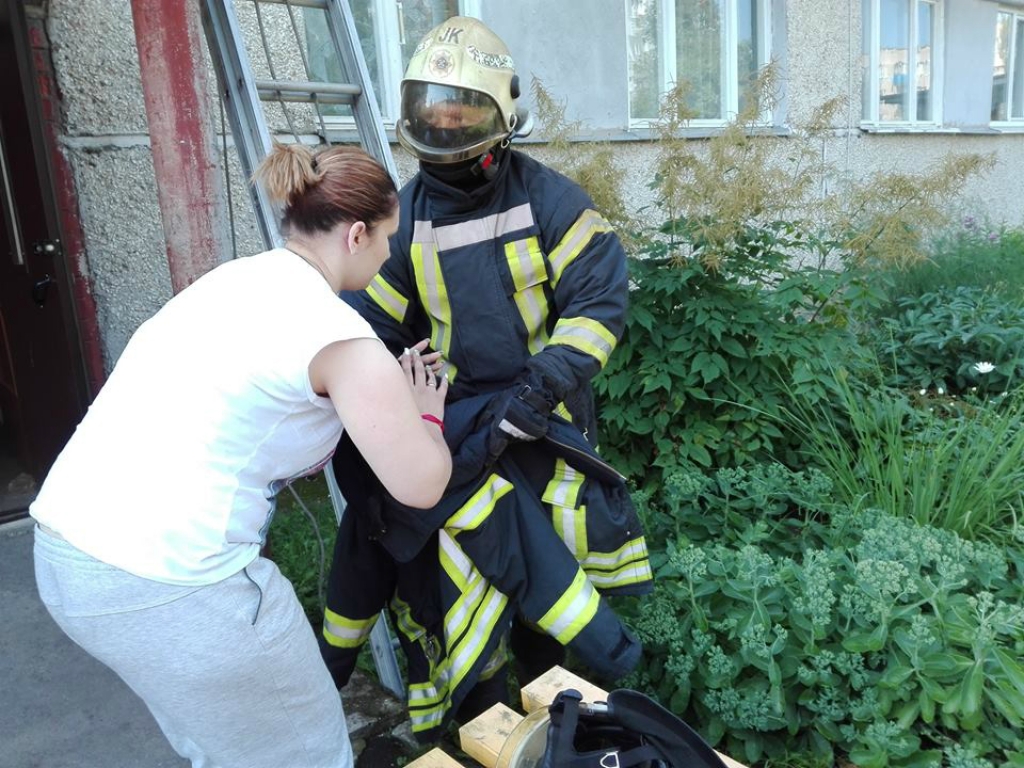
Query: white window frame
{"points": [[871, 117], [668, 76], [1016, 17]]}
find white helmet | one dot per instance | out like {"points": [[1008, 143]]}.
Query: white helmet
{"points": [[458, 93]]}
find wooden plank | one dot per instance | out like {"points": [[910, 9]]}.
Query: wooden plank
{"points": [[483, 737], [435, 758], [542, 691]]}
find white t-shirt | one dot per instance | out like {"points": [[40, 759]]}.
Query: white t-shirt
{"points": [[207, 414]]}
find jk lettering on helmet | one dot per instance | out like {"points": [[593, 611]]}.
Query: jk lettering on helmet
{"points": [[450, 35], [441, 64]]}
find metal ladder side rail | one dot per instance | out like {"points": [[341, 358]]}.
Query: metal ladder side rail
{"points": [[242, 93]]}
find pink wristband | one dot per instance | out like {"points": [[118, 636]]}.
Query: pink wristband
{"points": [[432, 419]]}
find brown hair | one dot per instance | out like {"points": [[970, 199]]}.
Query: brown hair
{"points": [[319, 190]]}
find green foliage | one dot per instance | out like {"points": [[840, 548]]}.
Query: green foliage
{"points": [[709, 356], [935, 340], [972, 254], [807, 628], [937, 461]]}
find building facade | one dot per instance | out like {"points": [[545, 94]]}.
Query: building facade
{"points": [[919, 79]]}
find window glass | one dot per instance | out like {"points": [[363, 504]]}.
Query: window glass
{"points": [[387, 43], [642, 20], [1000, 67], [748, 49], [699, 33], [716, 47], [923, 80], [893, 60], [1017, 97]]}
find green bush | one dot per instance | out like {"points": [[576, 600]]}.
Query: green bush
{"points": [[813, 629], [709, 356], [936, 341]]}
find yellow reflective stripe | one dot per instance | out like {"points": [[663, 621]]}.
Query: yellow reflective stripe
{"points": [[586, 335], [404, 621], [573, 611], [626, 565], [627, 553], [434, 297], [471, 645], [458, 616], [498, 659], [629, 574], [342, 632], [526, 265], [480, 504], [455, 562], [564, 487], [387, 298], [421, 694], [563, 411], [575, 240]]}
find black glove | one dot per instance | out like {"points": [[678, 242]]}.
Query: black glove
{"points": [[518, 413]]}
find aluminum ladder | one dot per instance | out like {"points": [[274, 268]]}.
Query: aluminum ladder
{"points": [[243, 95]]}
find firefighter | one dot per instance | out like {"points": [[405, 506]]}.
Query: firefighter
{"points": [[520, 285]]}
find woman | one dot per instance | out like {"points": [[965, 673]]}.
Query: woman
{"points": [[152, 518]]}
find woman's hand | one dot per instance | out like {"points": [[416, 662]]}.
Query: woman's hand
{"points": [[431, 359], [428, 389]]}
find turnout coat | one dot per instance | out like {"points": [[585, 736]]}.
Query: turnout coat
{"points": [[520, 280]]}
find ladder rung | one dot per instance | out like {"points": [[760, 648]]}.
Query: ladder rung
{"points": [[325, 93], [321, 4]]}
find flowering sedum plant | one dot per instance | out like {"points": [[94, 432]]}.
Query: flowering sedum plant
{"points": [[856, 636]]}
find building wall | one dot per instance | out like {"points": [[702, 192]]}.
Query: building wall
{"points": [[580, 57]]}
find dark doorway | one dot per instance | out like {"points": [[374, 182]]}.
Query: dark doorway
{"points": [[43, 393]]}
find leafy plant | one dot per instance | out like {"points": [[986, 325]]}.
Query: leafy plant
{"points": [[937, 340], [871, 637]]}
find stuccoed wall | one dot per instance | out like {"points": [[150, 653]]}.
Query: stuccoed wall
{"points": [[580, 58]]}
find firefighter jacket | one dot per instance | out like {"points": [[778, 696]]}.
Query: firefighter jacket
{"points": [[508, 538], [519, 276], [518, 280]]}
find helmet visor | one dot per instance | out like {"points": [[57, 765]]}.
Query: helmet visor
{"points": [[447, 123]]}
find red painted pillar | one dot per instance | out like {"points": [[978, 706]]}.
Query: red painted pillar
{"points": [[189, 177]]}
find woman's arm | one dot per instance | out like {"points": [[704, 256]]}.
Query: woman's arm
{"points": [[381, 403]]}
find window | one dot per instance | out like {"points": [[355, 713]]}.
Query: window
{"points": [[389, 31], [1008, 70], [902, 57], [716, 46]]}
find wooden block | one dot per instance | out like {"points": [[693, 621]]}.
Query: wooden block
{"points": [[483, 737], [435, 758], [542, 691]]}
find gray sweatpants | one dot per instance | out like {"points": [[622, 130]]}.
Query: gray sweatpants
{"points": [[231, 671]]}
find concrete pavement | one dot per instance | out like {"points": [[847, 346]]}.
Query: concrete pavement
{"points": [[60, 708]]}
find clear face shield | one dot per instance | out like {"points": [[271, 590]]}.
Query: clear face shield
{"points": [[445, 124]]}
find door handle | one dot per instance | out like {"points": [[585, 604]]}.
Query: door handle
{"points": [[41, 290]]}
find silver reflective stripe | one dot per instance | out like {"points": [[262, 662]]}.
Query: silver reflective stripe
{"points": [[573, 611], [562, 331], [479, 230], [347, 633], [566, 484], [456, 555], [568, 528], [466, 605], [612, 558], [630, 575], [490, 494], [481, 630], [428, 693]]}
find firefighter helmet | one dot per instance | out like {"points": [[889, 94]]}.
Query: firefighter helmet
{"points": [[458, 94]]}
